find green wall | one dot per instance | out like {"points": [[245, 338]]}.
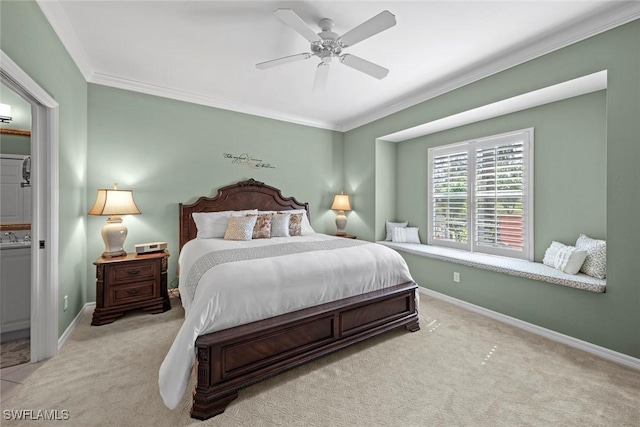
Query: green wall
{"points": [[170, 151], [28, 39], [13, 144], [610, 320], [386, 174], [569, 168]]}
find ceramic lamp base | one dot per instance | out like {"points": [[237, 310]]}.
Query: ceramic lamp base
{"points": [[114, 234], [341, 224]]}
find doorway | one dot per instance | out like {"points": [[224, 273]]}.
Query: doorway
{"points": [[44, 202], [15, 229]]}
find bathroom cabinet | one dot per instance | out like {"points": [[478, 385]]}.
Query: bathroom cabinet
{"points": [[15, 289]]}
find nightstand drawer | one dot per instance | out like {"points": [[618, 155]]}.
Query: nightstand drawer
{"points": [[124, 294], [136, 271]]}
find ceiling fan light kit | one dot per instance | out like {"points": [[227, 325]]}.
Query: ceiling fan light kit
{"points": [[327, 45]]}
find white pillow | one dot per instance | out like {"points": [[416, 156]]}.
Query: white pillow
{"points": [[280, 225], [391, 225], [595, 264], [240, 227], [214, 224], [567, 259], [405, 235]]}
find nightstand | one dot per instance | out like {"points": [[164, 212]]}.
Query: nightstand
{"points": [[130, 282], [347, 236]]}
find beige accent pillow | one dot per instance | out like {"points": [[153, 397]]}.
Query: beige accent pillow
{"points": [[595, 264], [240, 227]]}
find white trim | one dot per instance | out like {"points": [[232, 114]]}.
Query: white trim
{"points": [[558, 92], [165, 92], [44, 225], [613, 16], [605, 353], [67, 333]]}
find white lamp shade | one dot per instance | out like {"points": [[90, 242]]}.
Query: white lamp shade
{"points": [[114, 202], [341, 203]]}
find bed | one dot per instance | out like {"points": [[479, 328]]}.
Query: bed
{"points": [[234, 357]]}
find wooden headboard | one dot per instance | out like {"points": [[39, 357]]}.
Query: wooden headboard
{"points": [[250, 194]]}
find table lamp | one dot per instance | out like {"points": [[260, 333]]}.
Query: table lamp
{"points": [[113, 203], [341, 203]]}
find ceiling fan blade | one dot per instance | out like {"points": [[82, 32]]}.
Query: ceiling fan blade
{"points": [[284, 60], [375, 25], [321, 77], [365, 66], [290, 18]]}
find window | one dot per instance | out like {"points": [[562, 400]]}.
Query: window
{"points": [[481, 195]]}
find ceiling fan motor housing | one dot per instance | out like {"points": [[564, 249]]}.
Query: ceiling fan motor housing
{"points": [[330, 45]]}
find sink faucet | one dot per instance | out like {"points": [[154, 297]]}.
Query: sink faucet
{"points": [[12, 236], [26, 238]]}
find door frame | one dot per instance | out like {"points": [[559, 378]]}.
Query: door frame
{"points": [[45, 207]]}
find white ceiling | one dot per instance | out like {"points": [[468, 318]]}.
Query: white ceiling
{"points": [[206, 51]]}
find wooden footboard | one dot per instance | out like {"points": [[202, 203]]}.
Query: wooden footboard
{"points": [[234, 358]]}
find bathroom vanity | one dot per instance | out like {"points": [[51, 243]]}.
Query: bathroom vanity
{"points": [[15, 289]]}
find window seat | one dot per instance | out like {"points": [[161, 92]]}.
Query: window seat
{"points": [[511, 266]]}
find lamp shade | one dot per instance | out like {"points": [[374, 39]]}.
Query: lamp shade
{"points": [[341, 203], [114, 202]]}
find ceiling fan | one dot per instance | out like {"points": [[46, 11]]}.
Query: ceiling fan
{"points": [[327, 45]]}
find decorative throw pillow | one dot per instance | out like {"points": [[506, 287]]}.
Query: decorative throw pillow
{"points": [[405, 235], [280, 225], [262, 229], [214, 224], [295, 224], [595, 264], [305, 225], [391, 225], [567, 259], [240, 227]]}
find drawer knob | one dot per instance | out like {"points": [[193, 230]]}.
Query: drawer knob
{"points": [[133, 272], [133, 292]]}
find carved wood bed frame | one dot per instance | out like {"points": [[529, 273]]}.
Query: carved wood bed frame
{"points": [[231, 359]]}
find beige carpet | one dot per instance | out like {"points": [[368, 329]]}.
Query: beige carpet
{"points": [[15, 352], [461, 369]]}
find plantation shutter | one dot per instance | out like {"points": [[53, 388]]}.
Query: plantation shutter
{"points": [[449, 195], [500, 193]]}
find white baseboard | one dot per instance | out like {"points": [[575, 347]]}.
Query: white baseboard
{"points": [[605, 353], [63, 338]]}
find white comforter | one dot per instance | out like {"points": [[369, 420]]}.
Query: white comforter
{"points": [[240, 292]]}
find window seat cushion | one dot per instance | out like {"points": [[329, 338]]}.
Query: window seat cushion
{"points": [[511, 266]]}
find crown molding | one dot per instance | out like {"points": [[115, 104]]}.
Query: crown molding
{"points": [[603, 20], [619, 14], [165, 92], [57, 17]]}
